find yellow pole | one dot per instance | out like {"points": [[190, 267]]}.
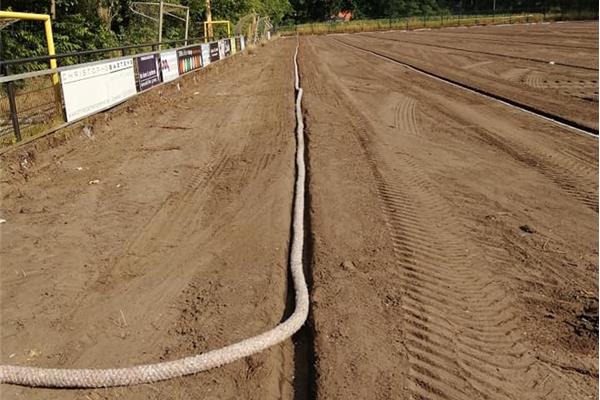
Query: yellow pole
{"points": [[47, 27], [50, 42]]}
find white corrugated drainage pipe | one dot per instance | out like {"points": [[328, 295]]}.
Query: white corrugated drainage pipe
{"points": [[91, 378]]}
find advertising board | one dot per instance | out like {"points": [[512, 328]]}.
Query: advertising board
{"points": [[189, 59], [148, 71], [214, 52], [91, 88], [205, 54], [242, 43], [221, 49], [227, 47], [168, 65]]}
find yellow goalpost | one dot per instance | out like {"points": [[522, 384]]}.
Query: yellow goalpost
{"points": [[47, 27], [208, 28]]}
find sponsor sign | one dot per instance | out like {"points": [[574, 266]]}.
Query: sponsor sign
{"points": [[214, 52], [227, 47], [205, 54], [242, 43], [221, 49], [238, 44], [189, 59], [148, 71], [168, 65], [88, 89]]}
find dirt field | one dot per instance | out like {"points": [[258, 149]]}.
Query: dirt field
{"points": [[517, 66], [453, 241]]}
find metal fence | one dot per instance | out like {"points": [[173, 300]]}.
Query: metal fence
{"points": [[32, 103]]}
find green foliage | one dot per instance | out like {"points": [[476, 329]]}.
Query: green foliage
{"points": [[95, 24]]}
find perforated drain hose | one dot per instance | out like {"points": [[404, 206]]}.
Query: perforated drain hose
{"points": [[91, 378]]}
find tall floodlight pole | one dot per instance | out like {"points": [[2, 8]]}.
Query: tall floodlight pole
{"points": [[160, 22]]}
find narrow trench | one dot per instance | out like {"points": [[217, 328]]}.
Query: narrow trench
{"points": [[304, 340], [304, 379]]}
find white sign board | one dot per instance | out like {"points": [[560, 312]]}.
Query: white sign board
{"points": [[205, 54], [221, 49], [91, 88], [168, 65], [242, 42]]}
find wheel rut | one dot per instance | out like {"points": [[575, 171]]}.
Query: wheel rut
{"points": [[574, 178], [460, 332], [405, 115]]}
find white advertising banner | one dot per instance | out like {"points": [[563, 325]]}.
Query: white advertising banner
{"points": [[168, 65], [221, 49], [89, 89], [205, 54]]}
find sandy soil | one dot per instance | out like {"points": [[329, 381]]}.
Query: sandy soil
{"points": [[455, 240], [506, 67], [452, 247], [180, 248]]}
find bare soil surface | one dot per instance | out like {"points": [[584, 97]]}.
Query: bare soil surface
{"points": [[452, 242], [514, 68], [181, 247], [455, 239]]}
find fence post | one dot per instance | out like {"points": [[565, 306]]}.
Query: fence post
{"points": [[13, 110]]}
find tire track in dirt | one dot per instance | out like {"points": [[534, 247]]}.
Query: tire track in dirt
{"points": [[578, 182], [575, 179], [460, 330], [405, 115], [500, 55], [445, 347], [171, 221], [504, 40], [510, 101], [535, 80]]}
